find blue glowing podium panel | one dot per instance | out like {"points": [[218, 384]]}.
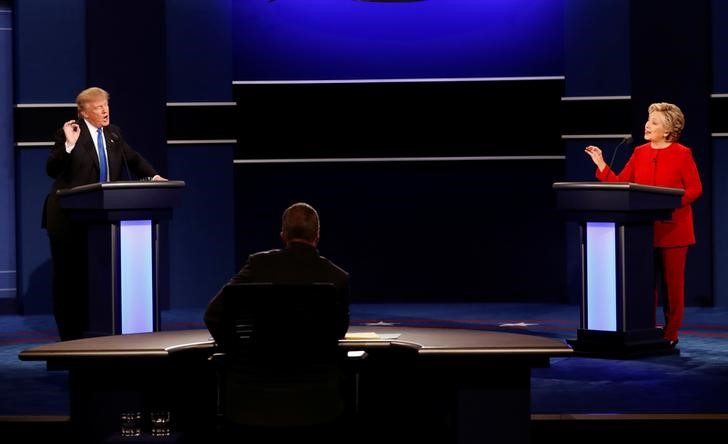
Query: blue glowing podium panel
{"points": [[617, 312], [122, 225]]}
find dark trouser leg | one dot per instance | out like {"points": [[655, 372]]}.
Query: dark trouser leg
{"points": [[70, 294]]}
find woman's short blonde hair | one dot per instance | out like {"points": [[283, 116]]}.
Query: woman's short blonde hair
{"points": [[674, 119]]}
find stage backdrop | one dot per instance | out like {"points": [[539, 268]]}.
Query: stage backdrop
{"points": [[394, 119]]}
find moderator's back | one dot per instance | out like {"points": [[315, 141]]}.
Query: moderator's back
{"points": [[279, 321]]}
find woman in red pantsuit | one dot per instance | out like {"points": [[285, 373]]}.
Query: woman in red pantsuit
{"points": [[664, 162]]}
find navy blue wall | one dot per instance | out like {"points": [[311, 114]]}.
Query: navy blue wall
{"points": [[130, 61], [331, 39], [596, 47], [131, 66], [49, 38], [720, 220], [34, 266], [202, 232], [199, 70], [627, 56], [719, 13], [199, 44], [50, 56], [676, 67], [7, 163], [395, 210], [406, 229], [719, 45], [415, 231], [407, 214]]}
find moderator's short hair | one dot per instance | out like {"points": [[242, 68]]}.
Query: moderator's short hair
{"points": [[674, 118], [90, 95], [300, 221]]}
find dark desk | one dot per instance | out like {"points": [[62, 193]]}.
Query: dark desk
{"points": [[444, 385]]}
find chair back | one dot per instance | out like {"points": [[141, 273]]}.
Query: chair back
{"points": [[282, 360]]}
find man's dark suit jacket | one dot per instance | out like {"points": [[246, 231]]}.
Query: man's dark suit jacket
{"points": [[81, 167], [297, 263]]}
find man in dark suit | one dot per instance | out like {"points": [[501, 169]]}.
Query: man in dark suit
{"points": [[86, 150], [297, 263]]}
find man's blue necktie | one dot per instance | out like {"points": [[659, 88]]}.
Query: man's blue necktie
{"points": [[103, 175]]}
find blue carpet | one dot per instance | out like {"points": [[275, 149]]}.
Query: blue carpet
{"points": [[695, 381]]}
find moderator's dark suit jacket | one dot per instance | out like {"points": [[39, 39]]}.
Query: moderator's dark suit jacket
{"points": [[81, 167], [297, 263]]}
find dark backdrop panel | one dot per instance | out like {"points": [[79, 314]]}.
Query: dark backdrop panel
{"points": [[415, 231], [125, 45], [596, 47], [199, 69], [397, 119], [719, 15], [7, 165], [596, 116], [34, 265], [678, 70], [49, 66], [126, 55], [199, 47], [720, 219], [50, 50], [201, 232]]}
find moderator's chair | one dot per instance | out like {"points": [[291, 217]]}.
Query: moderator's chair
{"points": [[280, 366]]}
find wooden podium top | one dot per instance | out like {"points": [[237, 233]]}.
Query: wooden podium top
{"points": [[617, 186], [121, 184], [122, 200], [616, 201]]}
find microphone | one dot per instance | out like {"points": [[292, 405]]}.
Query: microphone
{"points": [[115, 139], [627, 140]]}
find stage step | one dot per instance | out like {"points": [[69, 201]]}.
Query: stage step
{"points": [[678, 428]]}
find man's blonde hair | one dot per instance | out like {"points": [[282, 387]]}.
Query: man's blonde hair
{"points": [[90, 95]]}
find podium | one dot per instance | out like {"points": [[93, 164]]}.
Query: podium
{"points": [[122, 227], [616, 261]]}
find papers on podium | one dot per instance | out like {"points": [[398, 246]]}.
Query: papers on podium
{"points": [[370, 336]]}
